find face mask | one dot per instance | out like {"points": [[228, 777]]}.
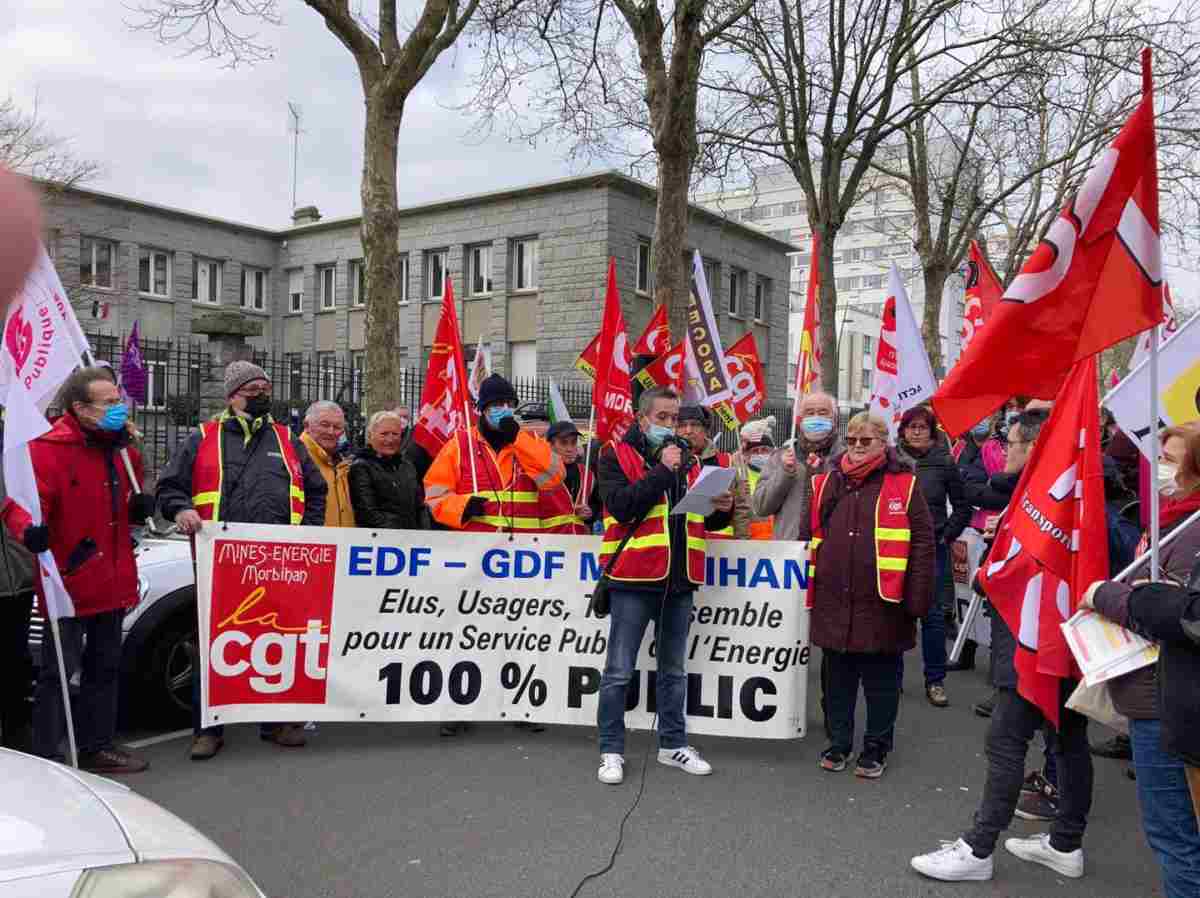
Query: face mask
{"points": [[657, 433], [496, 415], [816, 426], [114, 418], [258, 406], [979, 431], [757, 462], [1166, 477]]}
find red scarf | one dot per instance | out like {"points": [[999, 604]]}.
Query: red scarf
{"points": [[856, 473], [1171, 511]]}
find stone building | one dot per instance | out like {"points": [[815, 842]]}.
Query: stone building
{"points": [[527, 264]]}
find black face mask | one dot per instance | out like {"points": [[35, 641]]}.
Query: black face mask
{"points": [[258, 407]]}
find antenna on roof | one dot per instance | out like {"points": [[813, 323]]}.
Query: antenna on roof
{"points": [[294, 115]]}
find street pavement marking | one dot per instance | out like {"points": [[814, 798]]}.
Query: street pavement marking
{"points": [[155, 740]]}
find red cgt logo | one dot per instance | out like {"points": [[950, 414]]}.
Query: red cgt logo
{"points": [[18, 337], [271, 610]]}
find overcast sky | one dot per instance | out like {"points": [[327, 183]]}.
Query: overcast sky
{"points": [[189, 133]]}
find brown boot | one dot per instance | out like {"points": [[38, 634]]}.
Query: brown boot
{"points": [[205, 746], [108, 761], [288, 735]]}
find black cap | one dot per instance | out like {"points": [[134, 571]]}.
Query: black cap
{"points": [[562, 429], [694, 413], [496, 389]]}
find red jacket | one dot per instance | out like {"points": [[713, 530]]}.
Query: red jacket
{"points": [[74, 472]]}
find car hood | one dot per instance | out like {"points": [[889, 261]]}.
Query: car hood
{"points": [[162, 551], [55, 819]]}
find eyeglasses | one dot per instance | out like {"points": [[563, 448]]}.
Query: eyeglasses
{"points": [[864, 442]]}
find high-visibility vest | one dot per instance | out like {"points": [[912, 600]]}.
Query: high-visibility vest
{"points": [[760, 528], [558, 507], [893, 534], [513, 508], [208, 472], [647, 555], [724, 460]]}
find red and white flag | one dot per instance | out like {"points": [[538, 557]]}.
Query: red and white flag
{"points": [[1170, 325], [746, 381], [656, 338], [444, 398], [589, 358], [1095, 279], [808, 363], [903, 377], [982, 294], [1052, 543], [481, 368], [665, 371], [612, 395]]}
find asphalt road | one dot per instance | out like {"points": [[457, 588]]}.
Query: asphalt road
{"points": [[394, 810]]}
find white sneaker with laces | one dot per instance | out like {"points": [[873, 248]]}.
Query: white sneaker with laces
{"points": [[1038, 850], [954, 862], [686, 759], [612, 769]]}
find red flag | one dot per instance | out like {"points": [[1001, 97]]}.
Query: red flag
{"points": [[745, 377], [588, 359], [444, 396], [611, 393], [656, 338], [664, 371], [1053, 541], [982, 295], [808, 364], [1095, 279]]}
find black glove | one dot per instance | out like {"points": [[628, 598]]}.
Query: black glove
{"points": [[475, 507], [37, 538], [509, 428], [141, 508]]}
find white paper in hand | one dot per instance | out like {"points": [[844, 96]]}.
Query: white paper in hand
{"points": [[711, 482]]}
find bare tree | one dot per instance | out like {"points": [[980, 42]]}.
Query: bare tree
{"points": [[617, 77], [28, 147], [389, 69]]}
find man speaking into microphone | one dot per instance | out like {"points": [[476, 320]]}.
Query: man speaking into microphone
{"points": [[654, 574]]}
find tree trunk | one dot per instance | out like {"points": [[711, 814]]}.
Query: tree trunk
{"points": [[935, 282], [672, 278], [830, 326], [380, 240]]}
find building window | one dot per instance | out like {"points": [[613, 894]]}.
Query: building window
{"points": [[762, 289], [358, 372], [296, 291], [97, 258], [156, 382], [206, 281], [479, 273], [645, 282], [295, 368], [712, 276], [358, 283], [254, 289], [327, 372], [404, 278], [522, 360], [154, 273], [435, 273], [867, 348], [525, 264], [737, 292], [326, 285]]}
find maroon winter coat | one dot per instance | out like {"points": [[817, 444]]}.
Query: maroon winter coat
{"points": [[74, 472], [847, 614]]}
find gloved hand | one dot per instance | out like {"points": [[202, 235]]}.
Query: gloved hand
{"points": [[474, 509], [141, 508], [509, 428], [37, 538]]}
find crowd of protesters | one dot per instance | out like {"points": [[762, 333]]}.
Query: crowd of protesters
{"points": [[879, 508]]}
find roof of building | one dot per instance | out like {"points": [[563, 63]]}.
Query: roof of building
{"points": [[610, 178]]}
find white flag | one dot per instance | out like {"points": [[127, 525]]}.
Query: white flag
{"points": [[705, 359], [903, 375], [555, 407], [481, 368], [1178, 390]]}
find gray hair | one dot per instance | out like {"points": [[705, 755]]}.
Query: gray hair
{"points": [[322, 405], [646, 400], [382, 416], [826, 397]]}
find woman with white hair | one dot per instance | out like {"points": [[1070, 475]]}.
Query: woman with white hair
{"points": [[385, 490], [757, 444]]}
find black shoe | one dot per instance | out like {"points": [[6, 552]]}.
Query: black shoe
{"points": [[1039, 799], [985, 707], [1117, 747]]}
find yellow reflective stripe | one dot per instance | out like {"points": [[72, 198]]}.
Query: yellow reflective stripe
{"points": [[658, 511], [297, 493], [696, 542], [902, 534], [296, 519], [892, 564], [505, 523], [211, 498], [638, 542], [815, 541], [505, 495], [560, 520]]}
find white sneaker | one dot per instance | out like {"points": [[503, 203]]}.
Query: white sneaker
{"points": [[1038, 850], [954, 862], [612, 769], [686, 759]]}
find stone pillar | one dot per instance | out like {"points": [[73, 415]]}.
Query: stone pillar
{"points": [[227, 332]]}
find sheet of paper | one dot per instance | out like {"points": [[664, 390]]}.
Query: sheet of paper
{"points": [[711, 482], [1103, 649]]}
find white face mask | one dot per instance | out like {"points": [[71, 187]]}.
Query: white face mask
{"points": [[1166, 477]]}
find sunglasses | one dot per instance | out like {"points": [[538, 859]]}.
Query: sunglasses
{"points": [[865, 442]]}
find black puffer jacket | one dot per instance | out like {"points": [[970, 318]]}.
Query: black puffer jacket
{"points": [[386, 492], [940, 482]]}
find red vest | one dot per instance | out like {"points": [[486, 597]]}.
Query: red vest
{"points": [[892, 531], [558, 507], [647, 556], [513, 508], [208, 472]]}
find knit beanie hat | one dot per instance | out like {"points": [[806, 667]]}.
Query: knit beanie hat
{"points": [[758, 433], [240, 373], [496, 389]]}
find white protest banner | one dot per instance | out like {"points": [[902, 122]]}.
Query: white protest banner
{"points": [[903, 377], [343, 624], [965, 553]]}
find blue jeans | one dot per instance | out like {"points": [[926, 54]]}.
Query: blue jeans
{"points": [[933, 625], [880, 686], [630, 613], [1167, 814]]}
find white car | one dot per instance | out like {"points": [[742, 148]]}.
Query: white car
{"points": [[67, 834]]}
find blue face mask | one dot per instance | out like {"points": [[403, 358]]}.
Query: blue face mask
{"points": [[979, 431], [816, 426], [657, 433], [114, 419], [496, 415]]}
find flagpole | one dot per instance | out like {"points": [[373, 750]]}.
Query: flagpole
{"points": [[587, 455], [66, 690], [1154, 528], [1166, 541]]}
